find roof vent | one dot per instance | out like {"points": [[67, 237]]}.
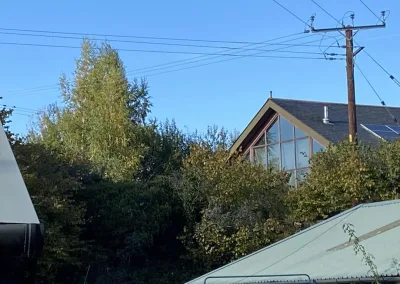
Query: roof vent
{"points": [[325, 120]]}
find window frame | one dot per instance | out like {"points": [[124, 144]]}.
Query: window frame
{"points": [[276, 118]]}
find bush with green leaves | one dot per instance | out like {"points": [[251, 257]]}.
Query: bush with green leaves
{"points": [[232, 206], [344, 176]]}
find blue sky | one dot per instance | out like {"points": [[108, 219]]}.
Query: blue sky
{"points": [[226, 94]]}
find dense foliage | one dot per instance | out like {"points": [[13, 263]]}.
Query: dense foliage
{"points": [[129, 200], [344, 176], [232, 207]]}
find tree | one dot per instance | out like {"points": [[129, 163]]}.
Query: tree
{"points": [[53, 184], [102, 115], [5, 115], [232, 206], [132, 228], [166, 146], [342, 177]]}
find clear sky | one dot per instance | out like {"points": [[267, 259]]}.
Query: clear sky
{"points": [[227, 94]]}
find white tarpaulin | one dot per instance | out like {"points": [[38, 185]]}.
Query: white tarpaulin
{"points": [[15, 203]]}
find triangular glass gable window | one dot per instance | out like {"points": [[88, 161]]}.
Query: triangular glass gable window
{"points": [[272, 134], [261, 141], [286, 129]]}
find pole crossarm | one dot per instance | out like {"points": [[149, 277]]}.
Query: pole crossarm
{"points": [[354, 28]]}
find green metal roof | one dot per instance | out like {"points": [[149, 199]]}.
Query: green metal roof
{"points": [[323, 251]]}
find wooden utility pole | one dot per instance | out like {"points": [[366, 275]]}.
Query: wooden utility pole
{"points": [[350, 54], [351, 93]]}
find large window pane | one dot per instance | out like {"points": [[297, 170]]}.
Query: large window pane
{"points": [[260, 156], [273, 156], [298, 133], [288, 155], [272, 133], [286, 129], [317, 147], [302, 153], [261, 141]]}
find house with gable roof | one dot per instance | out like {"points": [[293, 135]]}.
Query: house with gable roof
{"points": [[285, 133]]}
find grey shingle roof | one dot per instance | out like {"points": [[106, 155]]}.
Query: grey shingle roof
{"points": [[311, 114], [323, 251]]}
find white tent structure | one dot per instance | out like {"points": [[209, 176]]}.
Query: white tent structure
{"points": [[21, 234], [15, 203]]}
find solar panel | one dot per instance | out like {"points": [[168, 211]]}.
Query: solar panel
{"points": [[388, 135], [377, 127], [387, 132], [395, 128]]}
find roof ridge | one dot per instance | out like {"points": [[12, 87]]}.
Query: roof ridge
{"points": [[381, 203], [335, 103]]}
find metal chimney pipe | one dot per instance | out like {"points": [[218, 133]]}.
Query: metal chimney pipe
{"points": [[325, 120]]}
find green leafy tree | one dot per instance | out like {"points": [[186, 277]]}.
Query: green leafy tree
{"points": [[5, 115], [102, 115], [232, 206], [166, 147], [342, 177], [53, 184], [132, 226]]}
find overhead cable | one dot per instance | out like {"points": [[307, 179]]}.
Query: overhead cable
{"points": [[378, 96], [293, 14], [123, 36], [132, 50], [372, 12], [223, 60], [201, 60], [142, 42]]}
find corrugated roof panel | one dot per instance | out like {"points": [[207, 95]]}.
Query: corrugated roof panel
{"points": [[308, 252], [15, 203]]}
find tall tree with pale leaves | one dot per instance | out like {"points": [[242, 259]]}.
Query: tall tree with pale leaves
{"points": [[102, 115]]}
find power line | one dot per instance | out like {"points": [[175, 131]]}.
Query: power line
{"points": [[30, 91], [329, 14], [134, 50], [293, 14], [174, 63], [129, 41], [23, 114], [387, 72], [167, 67], [376, 93], [125, 36], [350, 54], [147, 42], [20, 108], [183, 62], [214, 62], [379, 19], [209, 58], [264, 43]]}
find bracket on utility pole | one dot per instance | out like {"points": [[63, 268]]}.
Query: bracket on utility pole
{"points": [[358, 51]]}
